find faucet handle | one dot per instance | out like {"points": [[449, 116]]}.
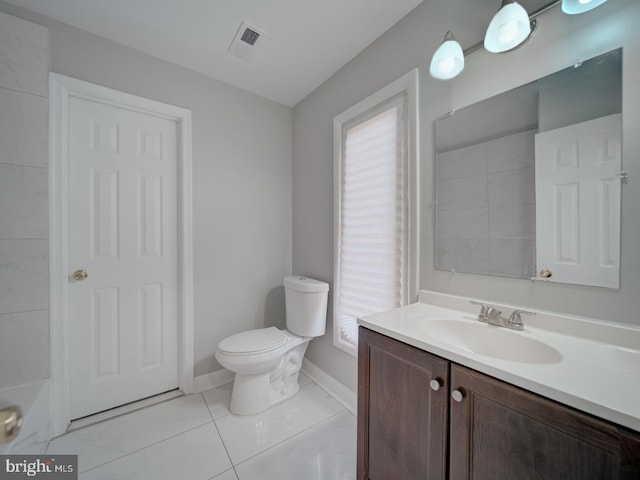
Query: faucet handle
{"points": [[516, 319], [484, 308], [487, 312]]}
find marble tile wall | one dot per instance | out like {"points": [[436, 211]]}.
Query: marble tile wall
{"points": [[24, 205], [485, 214]]}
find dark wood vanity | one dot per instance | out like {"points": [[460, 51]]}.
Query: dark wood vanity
{"points": [[422, 417]]}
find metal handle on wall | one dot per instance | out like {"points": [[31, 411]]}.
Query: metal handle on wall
{"points": [[10, 423]]}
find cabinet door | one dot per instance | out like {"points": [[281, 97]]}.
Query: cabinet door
{"points": [[401, 419], [500, 432]]}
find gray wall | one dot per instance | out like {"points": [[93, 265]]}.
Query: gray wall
{"points": [[404, 47], [579, 94], [242, 163], [24, 206], [561, 39]]}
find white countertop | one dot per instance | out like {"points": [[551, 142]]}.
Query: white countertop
{"points": [[597, 371]]}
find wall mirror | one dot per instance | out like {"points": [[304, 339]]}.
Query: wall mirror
{"points": [[528, 183]]}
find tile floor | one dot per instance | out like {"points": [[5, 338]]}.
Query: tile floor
{"points": [[195, 437]]}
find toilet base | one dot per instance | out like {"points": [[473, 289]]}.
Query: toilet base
{"points": [[255, 393]]}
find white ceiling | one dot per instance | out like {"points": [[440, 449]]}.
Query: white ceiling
{"points": [[306, 41]]}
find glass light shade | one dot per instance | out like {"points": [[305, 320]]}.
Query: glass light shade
{"points": [[573, 7], [448, 60], [508, 28]]}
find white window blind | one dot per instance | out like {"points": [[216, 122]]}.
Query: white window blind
{"points": [[372, 240]]}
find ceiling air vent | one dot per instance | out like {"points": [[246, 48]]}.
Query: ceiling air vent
{"points": [[245, 41]]}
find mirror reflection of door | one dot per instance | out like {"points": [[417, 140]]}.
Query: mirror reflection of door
{"points": [[578, 202], [488, 211]]}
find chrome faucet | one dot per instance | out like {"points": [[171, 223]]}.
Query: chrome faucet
{"points": [[490, 314]]}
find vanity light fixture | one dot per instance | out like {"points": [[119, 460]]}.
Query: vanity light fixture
{"points": [[448, 60], [508, 28], [573, 7]]}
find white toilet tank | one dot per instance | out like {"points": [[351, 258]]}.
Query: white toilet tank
{"points": [[306, 305]]}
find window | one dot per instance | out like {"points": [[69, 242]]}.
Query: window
{"points": [[375, 207]]}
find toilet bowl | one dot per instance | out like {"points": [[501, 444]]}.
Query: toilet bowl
{"points": [[267, 372], [267, 361]]}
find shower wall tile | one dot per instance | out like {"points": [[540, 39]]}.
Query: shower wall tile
{"points": [[24, 206], [466, 223], [473, 255], [459, 193], [463, 255], [24, 199], [513, 258], [24, 55], [446, 254], [462, 162], [24, 275], [511, 152], [485, 214], [24, 347], [515, 222], [23, 129], [514, 187]]}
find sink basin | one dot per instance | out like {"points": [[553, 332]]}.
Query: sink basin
{"points": [[491, 341]]}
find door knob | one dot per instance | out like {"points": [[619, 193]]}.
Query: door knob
{"points": [[10, 423], [545, 273], [80, 275], [435, 384]]}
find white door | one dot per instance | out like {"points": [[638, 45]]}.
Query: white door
{"points": [[123, 318], [578, 202]]}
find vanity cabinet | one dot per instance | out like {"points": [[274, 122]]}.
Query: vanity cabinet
{"points": [[498, 431], [402, 421], [474, 427]]}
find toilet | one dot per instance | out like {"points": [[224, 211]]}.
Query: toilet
{"points": [[267, 361]]}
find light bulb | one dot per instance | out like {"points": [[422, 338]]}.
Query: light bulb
{"points": [[508, 32], [508, 28], [448, 59], [574, 7], [446, 65]]}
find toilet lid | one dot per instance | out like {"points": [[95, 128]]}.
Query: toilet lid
{"points": [[253, 341]]}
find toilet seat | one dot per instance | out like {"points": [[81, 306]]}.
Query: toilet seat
{"points": [[251, 342]]}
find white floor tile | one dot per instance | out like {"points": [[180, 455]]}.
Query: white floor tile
{"points": [[195, 455], [324, 452], [128, 408], [106, 441], [218, 400], [228, 475], [247, 436]]}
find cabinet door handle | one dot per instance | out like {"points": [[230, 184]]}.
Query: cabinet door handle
{"points": [[457, 395], [435, 384]]}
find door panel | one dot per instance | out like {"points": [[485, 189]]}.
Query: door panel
{"points": [[123, 342], [578, 202]]}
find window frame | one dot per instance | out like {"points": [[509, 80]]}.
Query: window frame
{"points": [[406, 86]]}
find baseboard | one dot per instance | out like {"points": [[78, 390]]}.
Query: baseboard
{"points": [[343, 394], [212, 380]]}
